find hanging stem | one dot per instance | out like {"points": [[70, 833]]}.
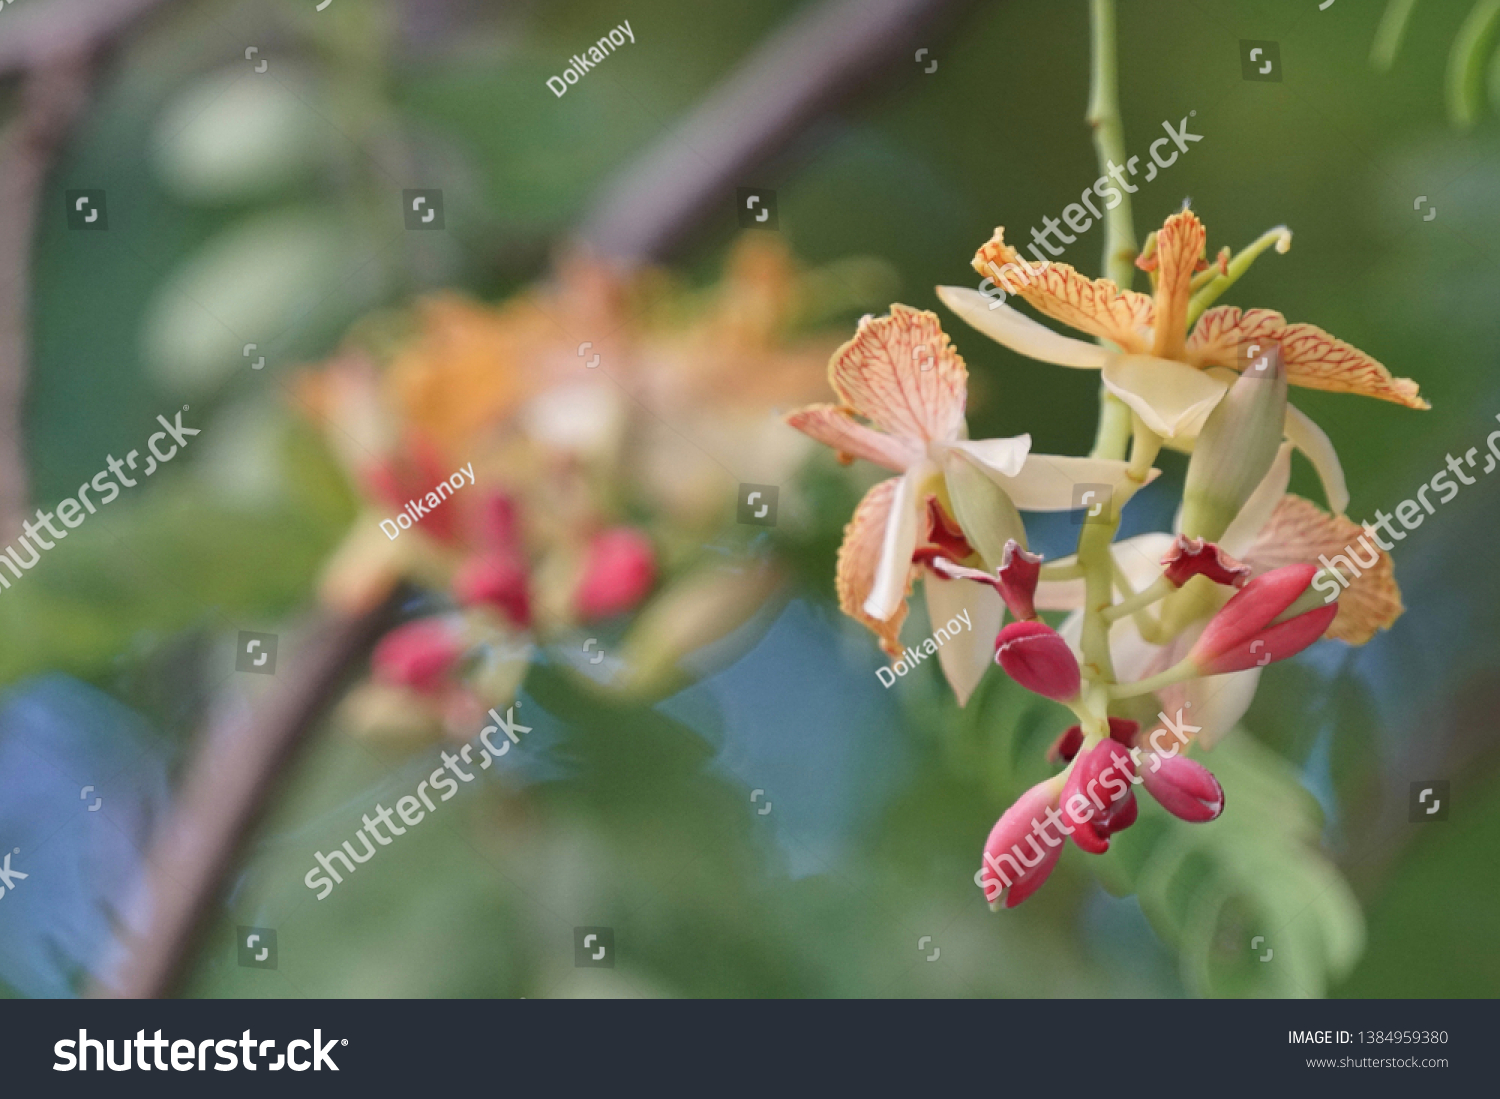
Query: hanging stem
{"points": [[1119, 229]]}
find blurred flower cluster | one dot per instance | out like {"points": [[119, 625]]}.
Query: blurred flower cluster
{"points": [[602, 414]]}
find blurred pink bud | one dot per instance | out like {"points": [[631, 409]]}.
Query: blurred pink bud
{"points": [[1242, 635], [1185, 788], [1190, 557], [1038, 659], [498, 524], [418, 654], [1096, 799], [498, 580], [619, 571], [1016, 861], [409, 473]]}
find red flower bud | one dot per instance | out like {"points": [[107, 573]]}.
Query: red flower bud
{"points": [[499, 528], [1242, 635], [1038, 659], [1016, 860], [1185, 788], [418, 654], [1096, 799], [498, 580], [1190, 557], [619, 571]]}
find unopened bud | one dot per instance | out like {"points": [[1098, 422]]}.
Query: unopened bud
{"points": [[1038, 659], [1237, 445]]}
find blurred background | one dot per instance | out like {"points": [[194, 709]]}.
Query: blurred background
{"points": [[729, 790]]}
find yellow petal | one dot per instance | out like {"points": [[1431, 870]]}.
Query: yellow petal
{"points": [[1179, 247], [1301, 532], [1313, 358], [1046, 482], [999, 456], [1017, 331], [859, 559], [1309, 438], [834, 426], [1172, 398], [901, 374], [1095, 306]]}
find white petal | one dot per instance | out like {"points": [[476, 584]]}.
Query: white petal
{"points": [[1257, 510], [1172, 398], [889, 588], [965, 656], [1047, 481], [1308, 437], [1002, 456], [1128, 651], [1218, 702], [1019, 332]]}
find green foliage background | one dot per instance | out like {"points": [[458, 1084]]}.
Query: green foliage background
{"points": [[270, 204]]}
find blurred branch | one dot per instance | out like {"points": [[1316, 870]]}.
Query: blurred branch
{"points": [[221, 798], [816, 61], [806, 68], [39, 33], [52, 46], [52, 97]]}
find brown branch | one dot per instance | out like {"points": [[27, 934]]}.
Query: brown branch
{"points": [[39, 33], [809, 66], [52, 46], [222, 797]]}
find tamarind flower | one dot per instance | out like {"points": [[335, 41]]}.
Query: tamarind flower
{"points": [[1273, 529], [1170, 376], [902, 390]]}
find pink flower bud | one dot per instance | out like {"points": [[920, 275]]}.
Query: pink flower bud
{"points": [[1190, 557], [1185, 788], [1038, 659], [498, 580], [418, 654], [1096, 799], [1244, 634], [499, 528], [1020, 852], [619, 571]]}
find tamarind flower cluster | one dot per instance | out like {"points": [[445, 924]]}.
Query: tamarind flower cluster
{"points": [[1157, 623]]}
